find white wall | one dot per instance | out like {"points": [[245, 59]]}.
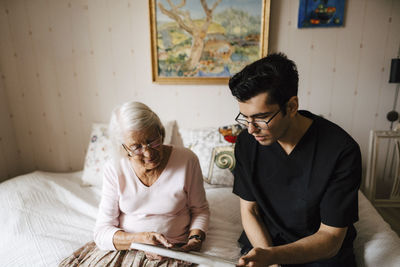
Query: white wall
{"points": [[344, 72], [66, 64]]}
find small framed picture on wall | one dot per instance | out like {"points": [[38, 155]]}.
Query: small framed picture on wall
{"points": [[321, 13]]}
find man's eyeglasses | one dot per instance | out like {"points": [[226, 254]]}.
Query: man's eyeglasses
{"points": [[259, 124], [139, 149]]}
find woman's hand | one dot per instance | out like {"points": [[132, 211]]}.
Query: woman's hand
{"points": [[153, 238], [122, 240], [192, 244], [195, 242]]}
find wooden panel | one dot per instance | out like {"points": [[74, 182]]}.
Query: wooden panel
{"points": [[391, 46], [60, 18], [24, 80], [9, 160], [372, 56], [121, 39], [83, 67], [101, 41], [40, 34], [13, 114], [324, 50]]}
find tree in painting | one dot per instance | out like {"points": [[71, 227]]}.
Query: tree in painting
{"points": [[198, 32], [206, 38]]}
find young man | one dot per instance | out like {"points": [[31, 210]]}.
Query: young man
{"points": [[297, 174]]}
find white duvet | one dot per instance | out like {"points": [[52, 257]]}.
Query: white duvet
{"points": [[44, 217]]}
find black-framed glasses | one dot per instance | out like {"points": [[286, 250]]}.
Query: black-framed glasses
{"points": [[259, 124], [139, 149]]}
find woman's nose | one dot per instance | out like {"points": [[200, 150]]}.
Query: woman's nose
{"points": [[146, 151]]}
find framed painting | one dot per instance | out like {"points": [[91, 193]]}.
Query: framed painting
{"points": [[320, 13], [206, 41]]}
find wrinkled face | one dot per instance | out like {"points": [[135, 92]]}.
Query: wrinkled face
{"points": [[145, 147], [257, 109]]}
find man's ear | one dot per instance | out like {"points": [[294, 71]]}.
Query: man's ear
{"points": [[292, 106]]}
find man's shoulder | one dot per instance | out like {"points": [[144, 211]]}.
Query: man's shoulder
{"points": [[245, 142], [245, 146], [329, 132], [244, 138]]}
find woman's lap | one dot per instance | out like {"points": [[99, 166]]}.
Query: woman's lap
{"points": [[91, 255]]}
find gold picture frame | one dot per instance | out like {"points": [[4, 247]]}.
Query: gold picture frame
{"points": [[224, 44]]}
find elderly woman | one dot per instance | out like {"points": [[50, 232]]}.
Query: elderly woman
{"points": [[152, 193]]}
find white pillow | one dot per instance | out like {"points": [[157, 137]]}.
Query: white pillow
{"points": [[99, 152], [216, 155]]}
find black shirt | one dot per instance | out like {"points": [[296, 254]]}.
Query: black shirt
{"points": [[317, 182]]}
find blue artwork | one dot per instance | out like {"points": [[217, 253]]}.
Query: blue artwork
{"points": [[321, 13]]}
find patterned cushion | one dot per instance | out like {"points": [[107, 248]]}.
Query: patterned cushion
{"points": [[99, 152], [215, 149]]}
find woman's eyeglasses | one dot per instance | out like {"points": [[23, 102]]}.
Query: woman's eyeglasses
{"points": [[139, 149]]}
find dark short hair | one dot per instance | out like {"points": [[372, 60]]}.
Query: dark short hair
{"points": [[274, 74]]}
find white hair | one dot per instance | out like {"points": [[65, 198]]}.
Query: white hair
{"points": [[131, 117]]}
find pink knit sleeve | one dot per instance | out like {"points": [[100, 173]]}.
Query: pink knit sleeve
{"points": [[107, 219], [198, 204]]}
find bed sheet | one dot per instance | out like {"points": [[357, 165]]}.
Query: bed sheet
{"points": [[44, 217], [376, 243]]}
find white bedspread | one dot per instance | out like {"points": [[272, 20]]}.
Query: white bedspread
{"points": [[44, 217], [376, 243]]}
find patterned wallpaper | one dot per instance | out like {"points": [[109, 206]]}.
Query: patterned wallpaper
{"points": [[66, 63], [9, 162]]}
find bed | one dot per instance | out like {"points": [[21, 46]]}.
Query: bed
{"points": [[46, 216]]}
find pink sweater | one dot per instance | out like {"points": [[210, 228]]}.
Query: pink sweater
{"points": [[173, 205]]}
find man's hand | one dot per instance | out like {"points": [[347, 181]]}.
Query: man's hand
{"points": [[257, 257]]}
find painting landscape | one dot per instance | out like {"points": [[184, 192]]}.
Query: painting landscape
{"points": [[207, 38]]}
